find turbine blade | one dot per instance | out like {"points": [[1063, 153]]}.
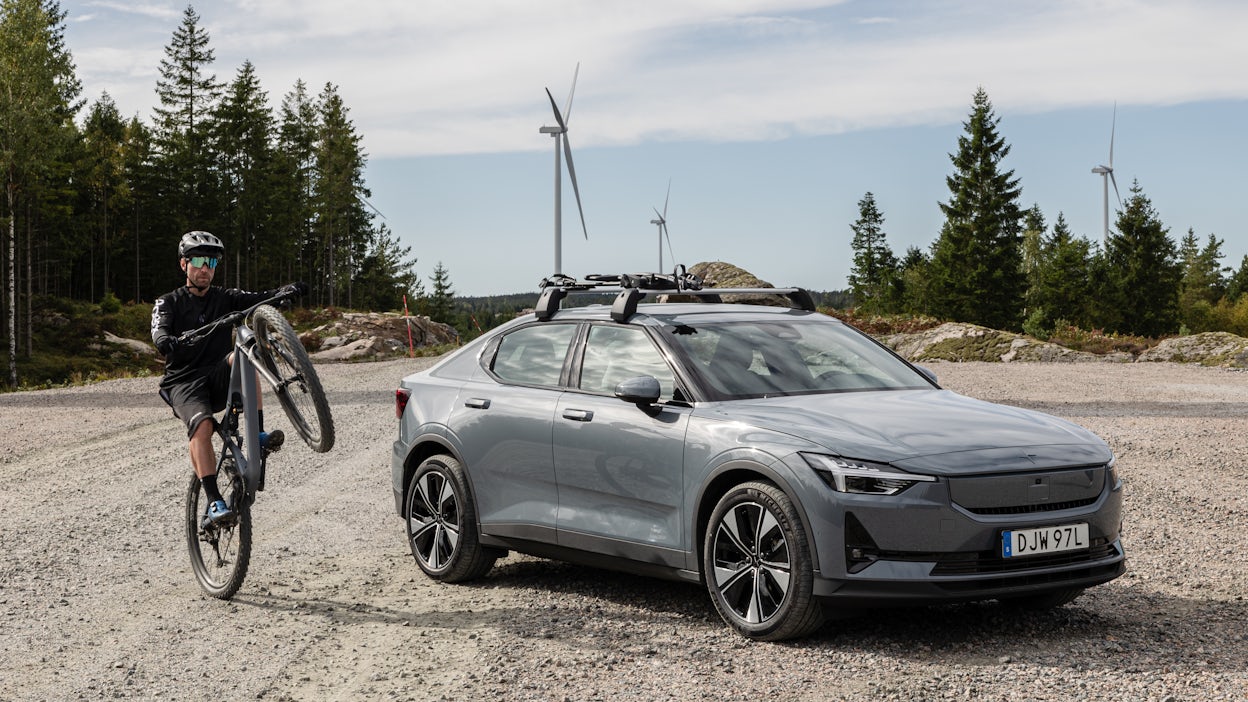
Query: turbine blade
{"points": [[1112, 127], [567, 154], [665, 199], [1115, 183], [669, 244], [567, 111], [660, 215], [555, 107]]}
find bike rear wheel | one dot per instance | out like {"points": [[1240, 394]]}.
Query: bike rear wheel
{"points": [[220, 553], [299, 388]]}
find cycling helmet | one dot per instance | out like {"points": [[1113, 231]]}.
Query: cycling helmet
{"points": [[200, 244]]}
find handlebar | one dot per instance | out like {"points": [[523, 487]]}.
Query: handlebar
{"points": [[232, 319]]}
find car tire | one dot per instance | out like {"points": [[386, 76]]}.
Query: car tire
{"points": [[1043, 601], [757, 565], [442, 523]]}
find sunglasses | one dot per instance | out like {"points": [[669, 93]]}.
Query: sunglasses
{"points": [[201, 261]]}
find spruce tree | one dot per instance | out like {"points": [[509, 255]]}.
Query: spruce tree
{"points": [[1064, 283], [440, 302], [244, 127], [1143, 270], [976, 261], [872, 279], [188, 94], [342, 223], [1203, 280], [294, 170]]}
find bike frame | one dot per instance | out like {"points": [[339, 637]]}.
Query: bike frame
{"points": [[244, 399]]}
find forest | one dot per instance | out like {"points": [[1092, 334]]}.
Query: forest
{"points": [[94, 203], [998, 265]]}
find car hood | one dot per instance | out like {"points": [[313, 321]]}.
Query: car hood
{"points": [[931, 431]]}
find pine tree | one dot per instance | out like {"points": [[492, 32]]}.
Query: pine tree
{"points": [[872, 280], [1063, 282], [974, 271], [38, 90], [1203, 280], [243, 129], [1237, 284], [294, 170], [1032, 253], [1143, 271], [385, 274], [103, 171], [188, 94], [440, 302], [342, 223]]}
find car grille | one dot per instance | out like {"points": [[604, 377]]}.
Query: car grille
{"points": [[1030, 509]]}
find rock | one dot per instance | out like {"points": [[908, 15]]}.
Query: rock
{"points": [[956, 341], [138, 347], [372, 335], [1208, 349]]}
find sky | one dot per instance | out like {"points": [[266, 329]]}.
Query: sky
{"points": [[769, 120]]}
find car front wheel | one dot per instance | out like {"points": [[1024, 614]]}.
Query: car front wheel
{"points": [[757, 564]]}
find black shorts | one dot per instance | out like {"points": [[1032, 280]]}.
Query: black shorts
{"points": [[197, 399]]}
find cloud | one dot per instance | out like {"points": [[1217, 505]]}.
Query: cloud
{"points": [[467, 77]]}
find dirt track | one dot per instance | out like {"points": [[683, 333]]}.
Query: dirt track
{"points": [[97, 599]]}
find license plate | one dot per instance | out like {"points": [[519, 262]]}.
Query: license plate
{"points": [[1055, 539]]}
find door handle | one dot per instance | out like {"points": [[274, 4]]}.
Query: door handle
{"points": [[477, 403], [578, 415]]}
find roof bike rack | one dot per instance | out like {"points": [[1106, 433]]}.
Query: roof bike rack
{"points": [[630, 288]]}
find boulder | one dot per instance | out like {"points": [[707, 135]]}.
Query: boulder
{"points": [[372, 335], [957, 341], [1208, 349]]}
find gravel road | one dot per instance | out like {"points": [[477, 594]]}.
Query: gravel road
{"points": [[97, 599]]}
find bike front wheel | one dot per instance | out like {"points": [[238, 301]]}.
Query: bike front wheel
{"points": [[220, 553], [298, 388]]}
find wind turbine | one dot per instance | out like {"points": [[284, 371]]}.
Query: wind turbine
{"points": [[662, 222], [1107, 176], [560, 133]]}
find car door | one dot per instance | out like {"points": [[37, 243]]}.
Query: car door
{"points": [[504, 424], [619, 466]]}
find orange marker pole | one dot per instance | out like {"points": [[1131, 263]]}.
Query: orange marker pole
{"points": [[411, 350]]}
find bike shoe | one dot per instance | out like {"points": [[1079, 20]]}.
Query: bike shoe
{"points": [[220, 513], [271, 441]]}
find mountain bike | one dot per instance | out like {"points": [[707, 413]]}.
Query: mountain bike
{"points": [[265, 346]]}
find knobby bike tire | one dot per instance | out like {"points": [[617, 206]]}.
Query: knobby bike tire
{"points": [[299, 389], [219, 554]]}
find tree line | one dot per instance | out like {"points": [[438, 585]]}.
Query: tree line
{"points": [[94, 202], [1000, 266]]}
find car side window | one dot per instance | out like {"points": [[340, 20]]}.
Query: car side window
{"points": [[614, 354], [533, 355]]}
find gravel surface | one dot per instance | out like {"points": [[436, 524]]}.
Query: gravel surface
{"points": [[97, 599]]}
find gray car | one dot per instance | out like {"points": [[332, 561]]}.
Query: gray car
{"points": [[784, 459]]}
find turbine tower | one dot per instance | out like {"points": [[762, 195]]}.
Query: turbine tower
{"points": [[560, 133], [1107, 176], [662, 222]]}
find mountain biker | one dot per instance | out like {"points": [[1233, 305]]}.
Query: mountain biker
{"points": [[197, 376]]}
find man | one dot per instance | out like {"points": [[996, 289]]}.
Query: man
{"points": [[197, 376]]}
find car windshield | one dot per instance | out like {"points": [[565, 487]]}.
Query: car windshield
{"points": [[792, 357]]}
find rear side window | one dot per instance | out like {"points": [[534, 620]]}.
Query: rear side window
{"points": [[533, 355]]}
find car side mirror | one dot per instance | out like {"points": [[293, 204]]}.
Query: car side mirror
{"points": [[927, 373], [642, 391]]}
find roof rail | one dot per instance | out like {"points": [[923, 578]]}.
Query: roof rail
{"points": [[632, 287]]}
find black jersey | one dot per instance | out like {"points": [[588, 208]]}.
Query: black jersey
{"points": [[181, 311]]}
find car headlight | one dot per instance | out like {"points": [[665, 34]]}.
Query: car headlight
{"points": [[1111, 470], [862, 477]]}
